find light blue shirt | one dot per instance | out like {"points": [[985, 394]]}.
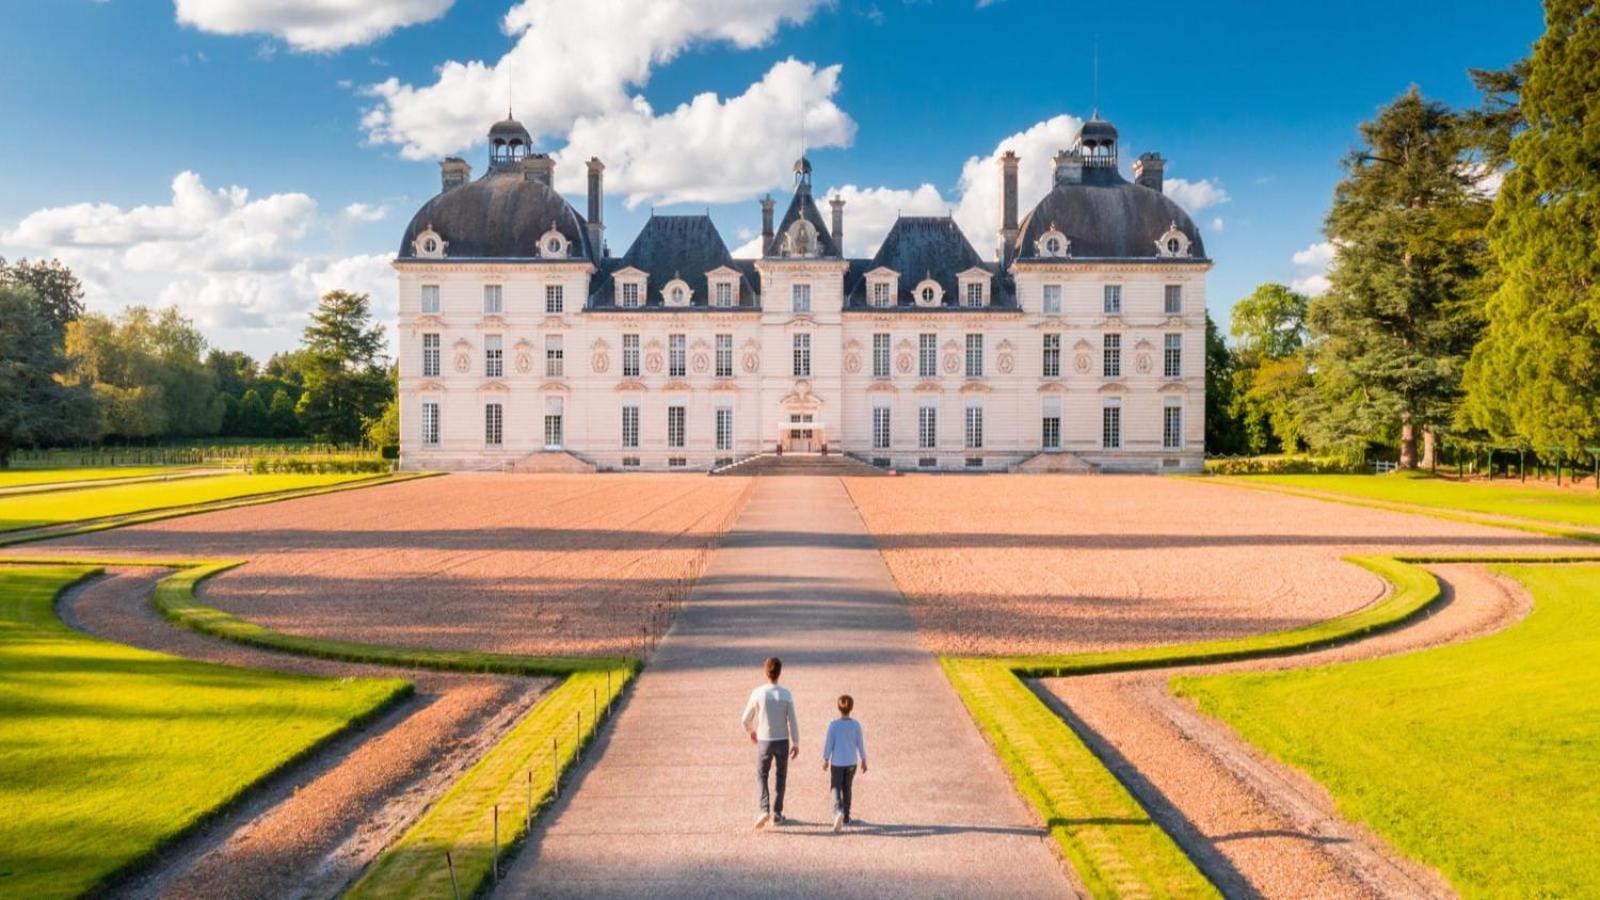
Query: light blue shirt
{"points": [[845, 745]]}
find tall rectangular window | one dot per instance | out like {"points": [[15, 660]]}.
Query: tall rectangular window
{"points": [[1111, 356], [1052, 356], [1051, 439], [880, 293], [802, 356], [430, 298], [555, 299], [880, 427], [974, 428], [1172, 427], [880, 356], [630, 295], [1111, 427], [430, 355], [974, 356], [493, 433], [801, 294], [724, 293], [1172, 356], [430, 423], [552, 430], [928, 355], [630, 426], [1173, 305], [554, 353], [677, 356], [927, 427], [724, 428], [493, 300], [1052, 299], [974, 293], [1113, 299], [494, 359], [724, 356], [675, 420], [630, 356]]}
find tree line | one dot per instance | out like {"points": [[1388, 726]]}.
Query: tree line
{"points": [[1463, 295], [70, 376]]}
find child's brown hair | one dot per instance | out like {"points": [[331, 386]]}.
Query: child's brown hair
{"points": [[846, 703]]}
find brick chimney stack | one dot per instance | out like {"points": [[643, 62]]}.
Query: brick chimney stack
{"points": [[1008, 206], [766, 222], [539, 167], [1067, 167], [1147, 170], [838, 221], [453, 173], [597, 227]]}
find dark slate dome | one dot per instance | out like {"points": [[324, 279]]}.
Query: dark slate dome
{"points": [[508, 130], [1107, 217], [501, 215]]}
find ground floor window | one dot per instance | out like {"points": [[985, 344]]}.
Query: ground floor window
{"points": [[677, 462], [1172, 427], [974, 427], [927, 427], [675, 419], [1052, 433], [493, 418], [430, 423], [724, 429], [630, 426], [552, 430], [630, 462], [880, 427], [1111, 427]]}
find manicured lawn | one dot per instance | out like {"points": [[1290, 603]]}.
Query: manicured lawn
{"points": [[107, 752], [10, 478], [1478, 759], [34, 510], [1566, 507]]}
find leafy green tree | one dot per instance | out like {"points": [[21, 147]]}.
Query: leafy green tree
{"points": [[1271, 321], [54, 287], [235, 371], [36, 404], [230, 415], [1224, 433], [1403, 309], [384, 431], [147, 369], [1536, 374], [253, 419], [345, 380], [1270, 368], [281, 415]]}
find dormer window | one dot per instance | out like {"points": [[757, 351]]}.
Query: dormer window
{"points": [[974, 288], [723, 282], [553, 244], [724, 293], [676, 293], [882, 287], [429, 245], [929, 293], [628, 287], [1172, 243], [1053, 244], [974, 293], [880, 293]]}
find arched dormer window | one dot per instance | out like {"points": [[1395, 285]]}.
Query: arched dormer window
{"points": [[429, 245], [1053, 244], [676, 293], [928, 293], [1172, 243], [553, 244]]}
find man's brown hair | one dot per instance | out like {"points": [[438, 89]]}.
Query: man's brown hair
{"points": [[846, 703], [774, 668]]}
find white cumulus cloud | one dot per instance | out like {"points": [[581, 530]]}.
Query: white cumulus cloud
{"points": [[571, 60], [309, 25], [1313, 261], [1194, 196]]}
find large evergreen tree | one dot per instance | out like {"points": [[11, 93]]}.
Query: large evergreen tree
{"points": [[1403, 309], [56, 290], [1535, 376], [345, 380], [36, 406]]}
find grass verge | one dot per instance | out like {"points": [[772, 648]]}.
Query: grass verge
{"points": [[58, 508], [111, 752], [1475, 758], [16, 478], [1102, 829]]}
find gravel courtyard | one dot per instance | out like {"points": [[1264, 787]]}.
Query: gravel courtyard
{"points": [[1041, 564], [506, 563]]}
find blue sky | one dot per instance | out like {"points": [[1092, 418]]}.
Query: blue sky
{"points": [[303, 175]]}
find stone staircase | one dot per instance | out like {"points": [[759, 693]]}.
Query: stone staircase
{"points": [[551, 461], [1059, 463], [800, 464]]}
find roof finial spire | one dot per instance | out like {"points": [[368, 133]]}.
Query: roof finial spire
{"points": [[1096, 113]]}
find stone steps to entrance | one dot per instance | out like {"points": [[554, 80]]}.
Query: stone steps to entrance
{"points": [[800, 464]]}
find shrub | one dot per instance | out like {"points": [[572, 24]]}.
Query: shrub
{"points": [[1280, 465], [296, 465]]}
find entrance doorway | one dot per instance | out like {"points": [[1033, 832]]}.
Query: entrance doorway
{"points": [[803, 435]]}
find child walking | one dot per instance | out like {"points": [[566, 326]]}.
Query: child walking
{"points": [[844, 748]]}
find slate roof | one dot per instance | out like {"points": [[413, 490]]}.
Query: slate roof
{"points": [[501, 216], [669, 247], [922, 247], [1107, 217], [803, 206]]}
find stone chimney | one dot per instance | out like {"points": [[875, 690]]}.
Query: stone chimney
{"points": [[453, 173], [766, 223], [539, 167], [1008, 206], [838, 221], [1147, 170], [1067, 168], [597, 227]]}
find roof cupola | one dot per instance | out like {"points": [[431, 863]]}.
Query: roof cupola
{"points": [[509, 142]]}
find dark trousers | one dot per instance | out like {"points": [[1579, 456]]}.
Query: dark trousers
{"points": [[768, 755], [841, 778]]}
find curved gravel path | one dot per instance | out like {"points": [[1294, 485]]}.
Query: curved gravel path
{"points": [[1258, 827], [310, 829]]}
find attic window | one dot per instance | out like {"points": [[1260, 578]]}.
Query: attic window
{"points": [[553, 246], [1173, 243], [429, 245], [724, 293], [929, 293], [676, 293], [975, 293], [880, 293], [630, 294], [553, 243], [1053, 244]]}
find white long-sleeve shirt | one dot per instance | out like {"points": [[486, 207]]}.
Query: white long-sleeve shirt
{"points": [[845, 745], [770, 714]]}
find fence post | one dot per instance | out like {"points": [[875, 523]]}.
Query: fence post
{"points": [[494, 860], [455, 890], [555, 771], [530, 801]]}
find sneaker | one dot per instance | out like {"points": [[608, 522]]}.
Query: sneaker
{"points": [[762, 820], [838, 821], [778, 819]]}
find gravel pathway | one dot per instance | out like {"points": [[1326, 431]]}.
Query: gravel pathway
{"points": [[1260, 828], [312, 828], [665, 808]]}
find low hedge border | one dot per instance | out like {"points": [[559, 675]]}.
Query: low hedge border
{"points": [[1107, 835], [51, 532]]}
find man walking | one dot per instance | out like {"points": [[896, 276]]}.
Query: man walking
{"points": [[770, 722]]}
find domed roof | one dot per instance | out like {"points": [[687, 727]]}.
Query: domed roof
{"points": [[509, 129], [1097, 129], [1107, 217], [501, 215]]}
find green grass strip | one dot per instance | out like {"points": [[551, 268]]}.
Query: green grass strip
{"points": [[516, 775]]}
